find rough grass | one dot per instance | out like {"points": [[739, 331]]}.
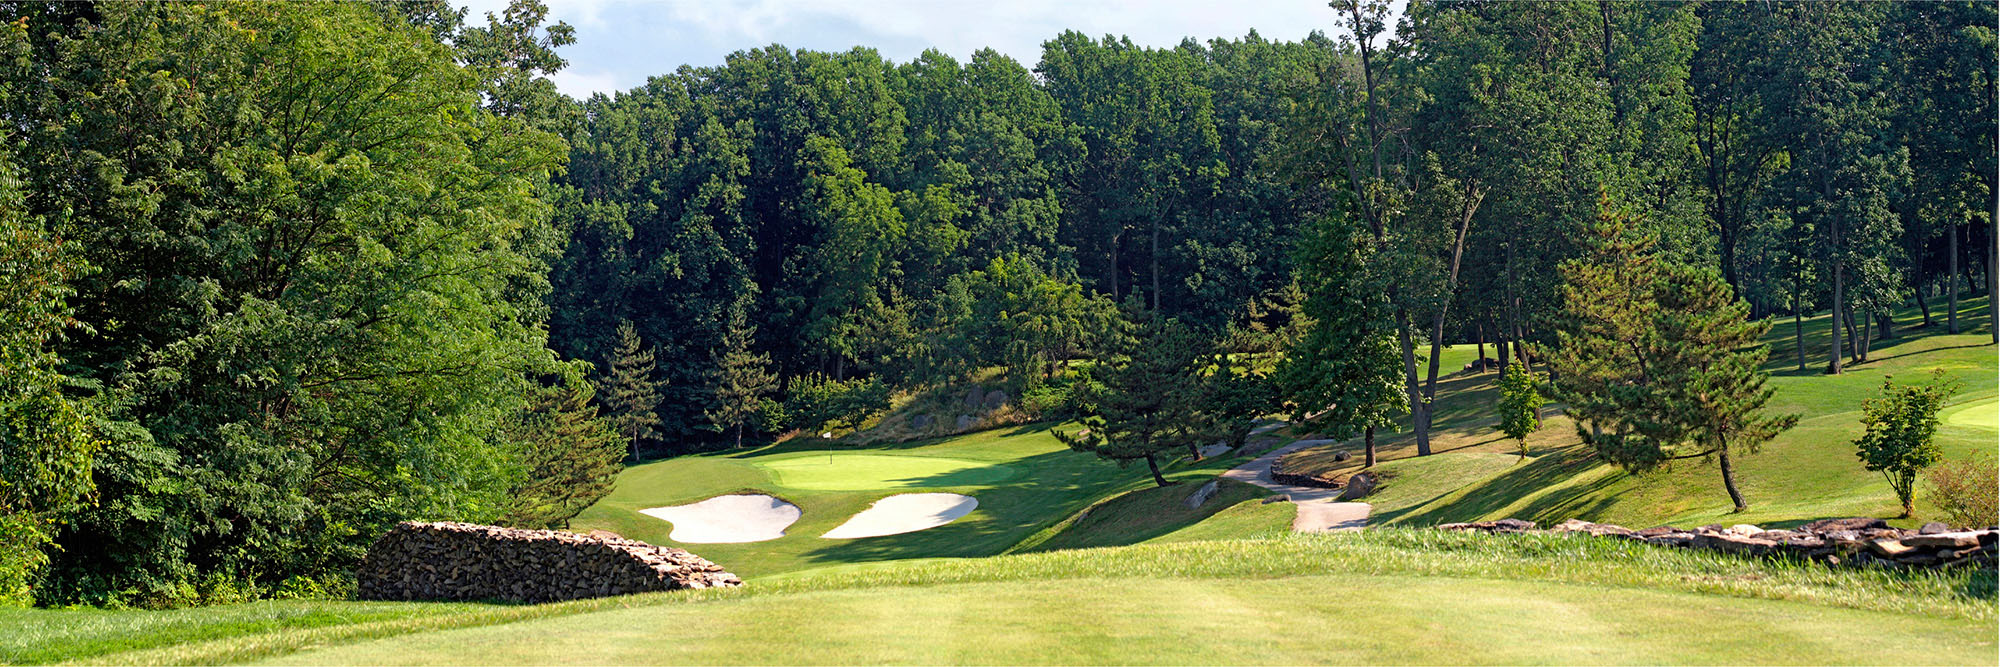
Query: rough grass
{"points": [[1807, 473], [1516, 574]]}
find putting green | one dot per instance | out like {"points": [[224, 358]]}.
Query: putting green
{"points": [[841, 471], [1981, 414]]}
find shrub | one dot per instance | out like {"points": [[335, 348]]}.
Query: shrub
{"points": [[1900, 426], [1967, 492], [1521, 404], [816, 401]]}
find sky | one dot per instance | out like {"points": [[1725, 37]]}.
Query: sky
{"points": [[621, 42]]}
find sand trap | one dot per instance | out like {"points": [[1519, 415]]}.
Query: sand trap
{"points": [[904, 513], [731, 518]]}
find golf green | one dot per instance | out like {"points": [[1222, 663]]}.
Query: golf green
{"points": [[1981, 414], [841, 471]]}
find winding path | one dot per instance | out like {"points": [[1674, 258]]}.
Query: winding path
{"points": [[1319, 510]]}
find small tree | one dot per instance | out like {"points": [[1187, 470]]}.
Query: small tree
{"points": [[742, 377], [1145, 405], [570, 456], [629, 391], [1898, 442], [1520, 404]]}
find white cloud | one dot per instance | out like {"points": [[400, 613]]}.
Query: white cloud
{"points": [[580, 85]]}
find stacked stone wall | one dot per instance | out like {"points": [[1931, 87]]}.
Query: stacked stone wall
{"points": [[463, 561]]}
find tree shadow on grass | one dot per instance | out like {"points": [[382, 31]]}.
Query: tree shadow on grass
{"points": [[1537, 473], [1052, 486]]}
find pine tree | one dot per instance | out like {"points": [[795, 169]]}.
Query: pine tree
{"points": [[630, 392], [569, 455], [742, 377], [1146, 407], [1660, 359]]}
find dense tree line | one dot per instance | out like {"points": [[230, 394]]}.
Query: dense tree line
{"points": [[279, 275]]}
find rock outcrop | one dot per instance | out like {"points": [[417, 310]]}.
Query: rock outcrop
{"points": [[463, 561], [1856, 541]]}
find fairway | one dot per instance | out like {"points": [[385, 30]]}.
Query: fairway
{"points": [[1408, 620], [847, 471], [1979, 414]]}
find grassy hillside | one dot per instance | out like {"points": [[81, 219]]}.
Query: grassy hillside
{"points": [[1809, 472], [1393, 595], [1024, 479]]}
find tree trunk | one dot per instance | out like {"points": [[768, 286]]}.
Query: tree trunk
{"points": [[1480, 333], [1194, 449], [1853, 350], [1799, 328], [1833, 348], [1992, 285], [1420, 423], [1951, 284], [1729, 480], [1921, 304], [1368, 447], [1155, 467], [739, 436], [1861, 342], [1885, 325]]}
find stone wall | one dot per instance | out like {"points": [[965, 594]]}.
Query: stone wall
{"points": [[1857, 541], [1279, 475], [463, 561]]}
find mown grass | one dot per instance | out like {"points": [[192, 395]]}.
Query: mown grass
{"points": [[1144, 514], [1807, 473], [1964, 599]]}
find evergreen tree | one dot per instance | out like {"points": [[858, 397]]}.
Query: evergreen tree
{"points": [[1899, 427], [630, 392], [569, 456], [742, 377], [1661, 359], [1146, 406]]}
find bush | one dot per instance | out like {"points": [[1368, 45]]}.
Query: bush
{"points": [[1967, 492], [816, 402]]}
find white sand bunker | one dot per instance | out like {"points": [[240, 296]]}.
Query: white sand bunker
{"points": [[731, 518], [904, 513]]}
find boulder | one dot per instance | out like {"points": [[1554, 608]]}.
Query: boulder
{"points": [[1853, 523], [1890, 548], [1657, 531], [1358, 486], [1933, 528], [994, 399], [965, 422], [1743, 529], [974, 396], [1962, 540], [1501, 526], [921, 421], [1733, 543], [1204, 493]]}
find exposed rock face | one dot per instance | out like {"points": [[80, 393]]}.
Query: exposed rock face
{"points": [[994, 399], [1358, 485], [1856, 541], [973, 396], [921, 421], [964, 422], [463, 561], [1204, 493]]}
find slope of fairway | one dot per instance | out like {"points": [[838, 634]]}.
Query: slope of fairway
{"points": [[1024, 479]]}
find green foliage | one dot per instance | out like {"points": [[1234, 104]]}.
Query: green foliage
{"points": [[1343, 375], [815, 402], [570, 456], [1966, 491], [1520, 404], [630, 393], [742, 378], [1149, 401], [47, 439], [1900, 424], [309, 318], [1660, 359]]}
